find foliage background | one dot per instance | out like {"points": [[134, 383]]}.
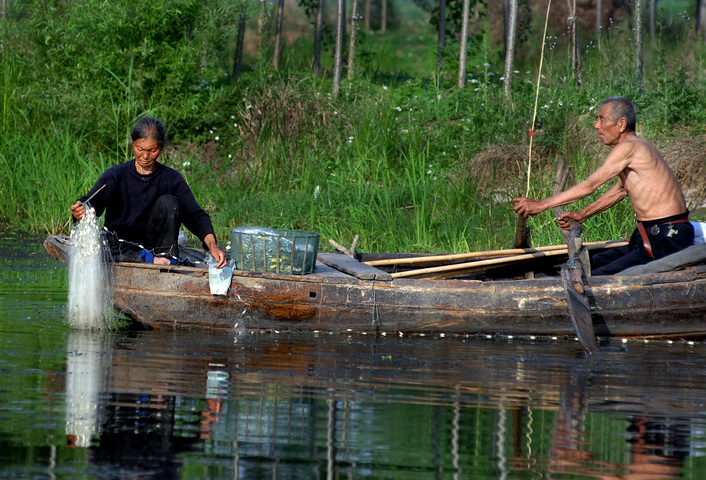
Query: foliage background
{"points": [[401, 156]]}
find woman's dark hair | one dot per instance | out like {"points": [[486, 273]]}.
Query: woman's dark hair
{"points": [[152, 128]]}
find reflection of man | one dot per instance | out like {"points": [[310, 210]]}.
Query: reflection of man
{"points": [[658, 451], [644, 176]]}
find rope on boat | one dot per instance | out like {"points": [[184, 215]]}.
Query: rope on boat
{"points": [[376, 312], [140, 247]]}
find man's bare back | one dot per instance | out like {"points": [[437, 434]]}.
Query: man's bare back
{"points": [[648, 181]]}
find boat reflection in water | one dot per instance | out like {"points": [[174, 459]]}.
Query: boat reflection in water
{"points": [[194, 405]]}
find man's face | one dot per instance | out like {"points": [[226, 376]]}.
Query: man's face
{"points": [[608, 130]]}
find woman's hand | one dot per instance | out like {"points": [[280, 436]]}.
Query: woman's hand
{"points": [[218, 255], [78, 210]]}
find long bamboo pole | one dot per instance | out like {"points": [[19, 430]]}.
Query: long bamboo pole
{"points": [[521, 234], [482, 264], [488, 253]]}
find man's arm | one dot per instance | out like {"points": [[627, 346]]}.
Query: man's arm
{"points": [[615, 194], [616, 162]]}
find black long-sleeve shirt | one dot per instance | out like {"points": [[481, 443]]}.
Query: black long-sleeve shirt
{"points": [[128, 198]]}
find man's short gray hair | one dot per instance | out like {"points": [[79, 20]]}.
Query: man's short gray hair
{"points": [[622, 107]]}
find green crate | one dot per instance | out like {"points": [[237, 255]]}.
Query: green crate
{"points": [[274, 250]]}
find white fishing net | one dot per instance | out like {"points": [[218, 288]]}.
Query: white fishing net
{"points": [[90, 302]]}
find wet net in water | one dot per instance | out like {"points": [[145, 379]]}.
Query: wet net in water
{"points": [[90, 302]]}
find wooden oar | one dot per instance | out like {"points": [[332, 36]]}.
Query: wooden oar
{"points": [[458, 268], [507, 252], [573, 271], [572, 278]]}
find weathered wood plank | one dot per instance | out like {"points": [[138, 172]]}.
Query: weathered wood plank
{"points": [[353, 267]]}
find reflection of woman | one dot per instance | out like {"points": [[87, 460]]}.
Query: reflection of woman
{"points": [[145, 203]]}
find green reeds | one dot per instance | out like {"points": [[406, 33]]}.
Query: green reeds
{"points": [[392, 158], [44, 173]]}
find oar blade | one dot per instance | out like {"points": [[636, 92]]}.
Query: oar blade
{"points": [[580, 314]]}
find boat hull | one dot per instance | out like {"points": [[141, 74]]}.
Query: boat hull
{"points": [[664, 305]]}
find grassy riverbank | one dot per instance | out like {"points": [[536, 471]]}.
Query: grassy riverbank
{"points": [[408, 161]]}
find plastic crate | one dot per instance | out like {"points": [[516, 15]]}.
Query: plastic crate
{"points": [[277, 250]]}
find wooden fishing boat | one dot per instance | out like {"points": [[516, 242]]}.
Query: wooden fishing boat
{"points": [[349, 295]]}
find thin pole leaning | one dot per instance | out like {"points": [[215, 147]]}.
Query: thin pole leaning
{"points": [[536, 101], [87, 200]]}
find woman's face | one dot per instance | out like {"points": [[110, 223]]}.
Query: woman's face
{"points": [[146, 151]]}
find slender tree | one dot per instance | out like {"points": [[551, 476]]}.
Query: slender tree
{"points": [[510, 29], [701, 17], [463, 53], [383, 16], [366, 14], [351, 39], [338, 56], [318, 36], [574, 34], [653, 19], [238, 60], [262, 20], [278, 34], [441, 40], [599, 15], [639, 44], [506, 21]]}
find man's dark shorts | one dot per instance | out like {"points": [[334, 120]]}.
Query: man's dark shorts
{"points": [[665, 238]]}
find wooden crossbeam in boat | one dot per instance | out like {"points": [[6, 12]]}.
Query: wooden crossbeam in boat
{"points": [[353, 267]]}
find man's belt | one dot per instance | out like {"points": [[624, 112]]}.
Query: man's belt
{"points": [[646, 240]]}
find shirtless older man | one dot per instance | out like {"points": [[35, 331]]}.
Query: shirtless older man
{"points": [[644, 176]]}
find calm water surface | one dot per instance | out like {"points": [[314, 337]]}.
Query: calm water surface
{"points": [[140, 404]]}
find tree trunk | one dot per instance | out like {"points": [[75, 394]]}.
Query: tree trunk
{"points": [[367, 15], [3, 12], [510, 28], [701, 17], [351, 39], [506, 22], [653, 19], [639, 50], [441, 40], [278, 34], [383, 16], [318, 36], [338, 56], [599, 15], [261, 20], [574, 33], [462, 54], [238, 60], [203, 54]]}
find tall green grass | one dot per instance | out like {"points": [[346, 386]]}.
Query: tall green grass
{"points": [[399, 157], [44, 173]]}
